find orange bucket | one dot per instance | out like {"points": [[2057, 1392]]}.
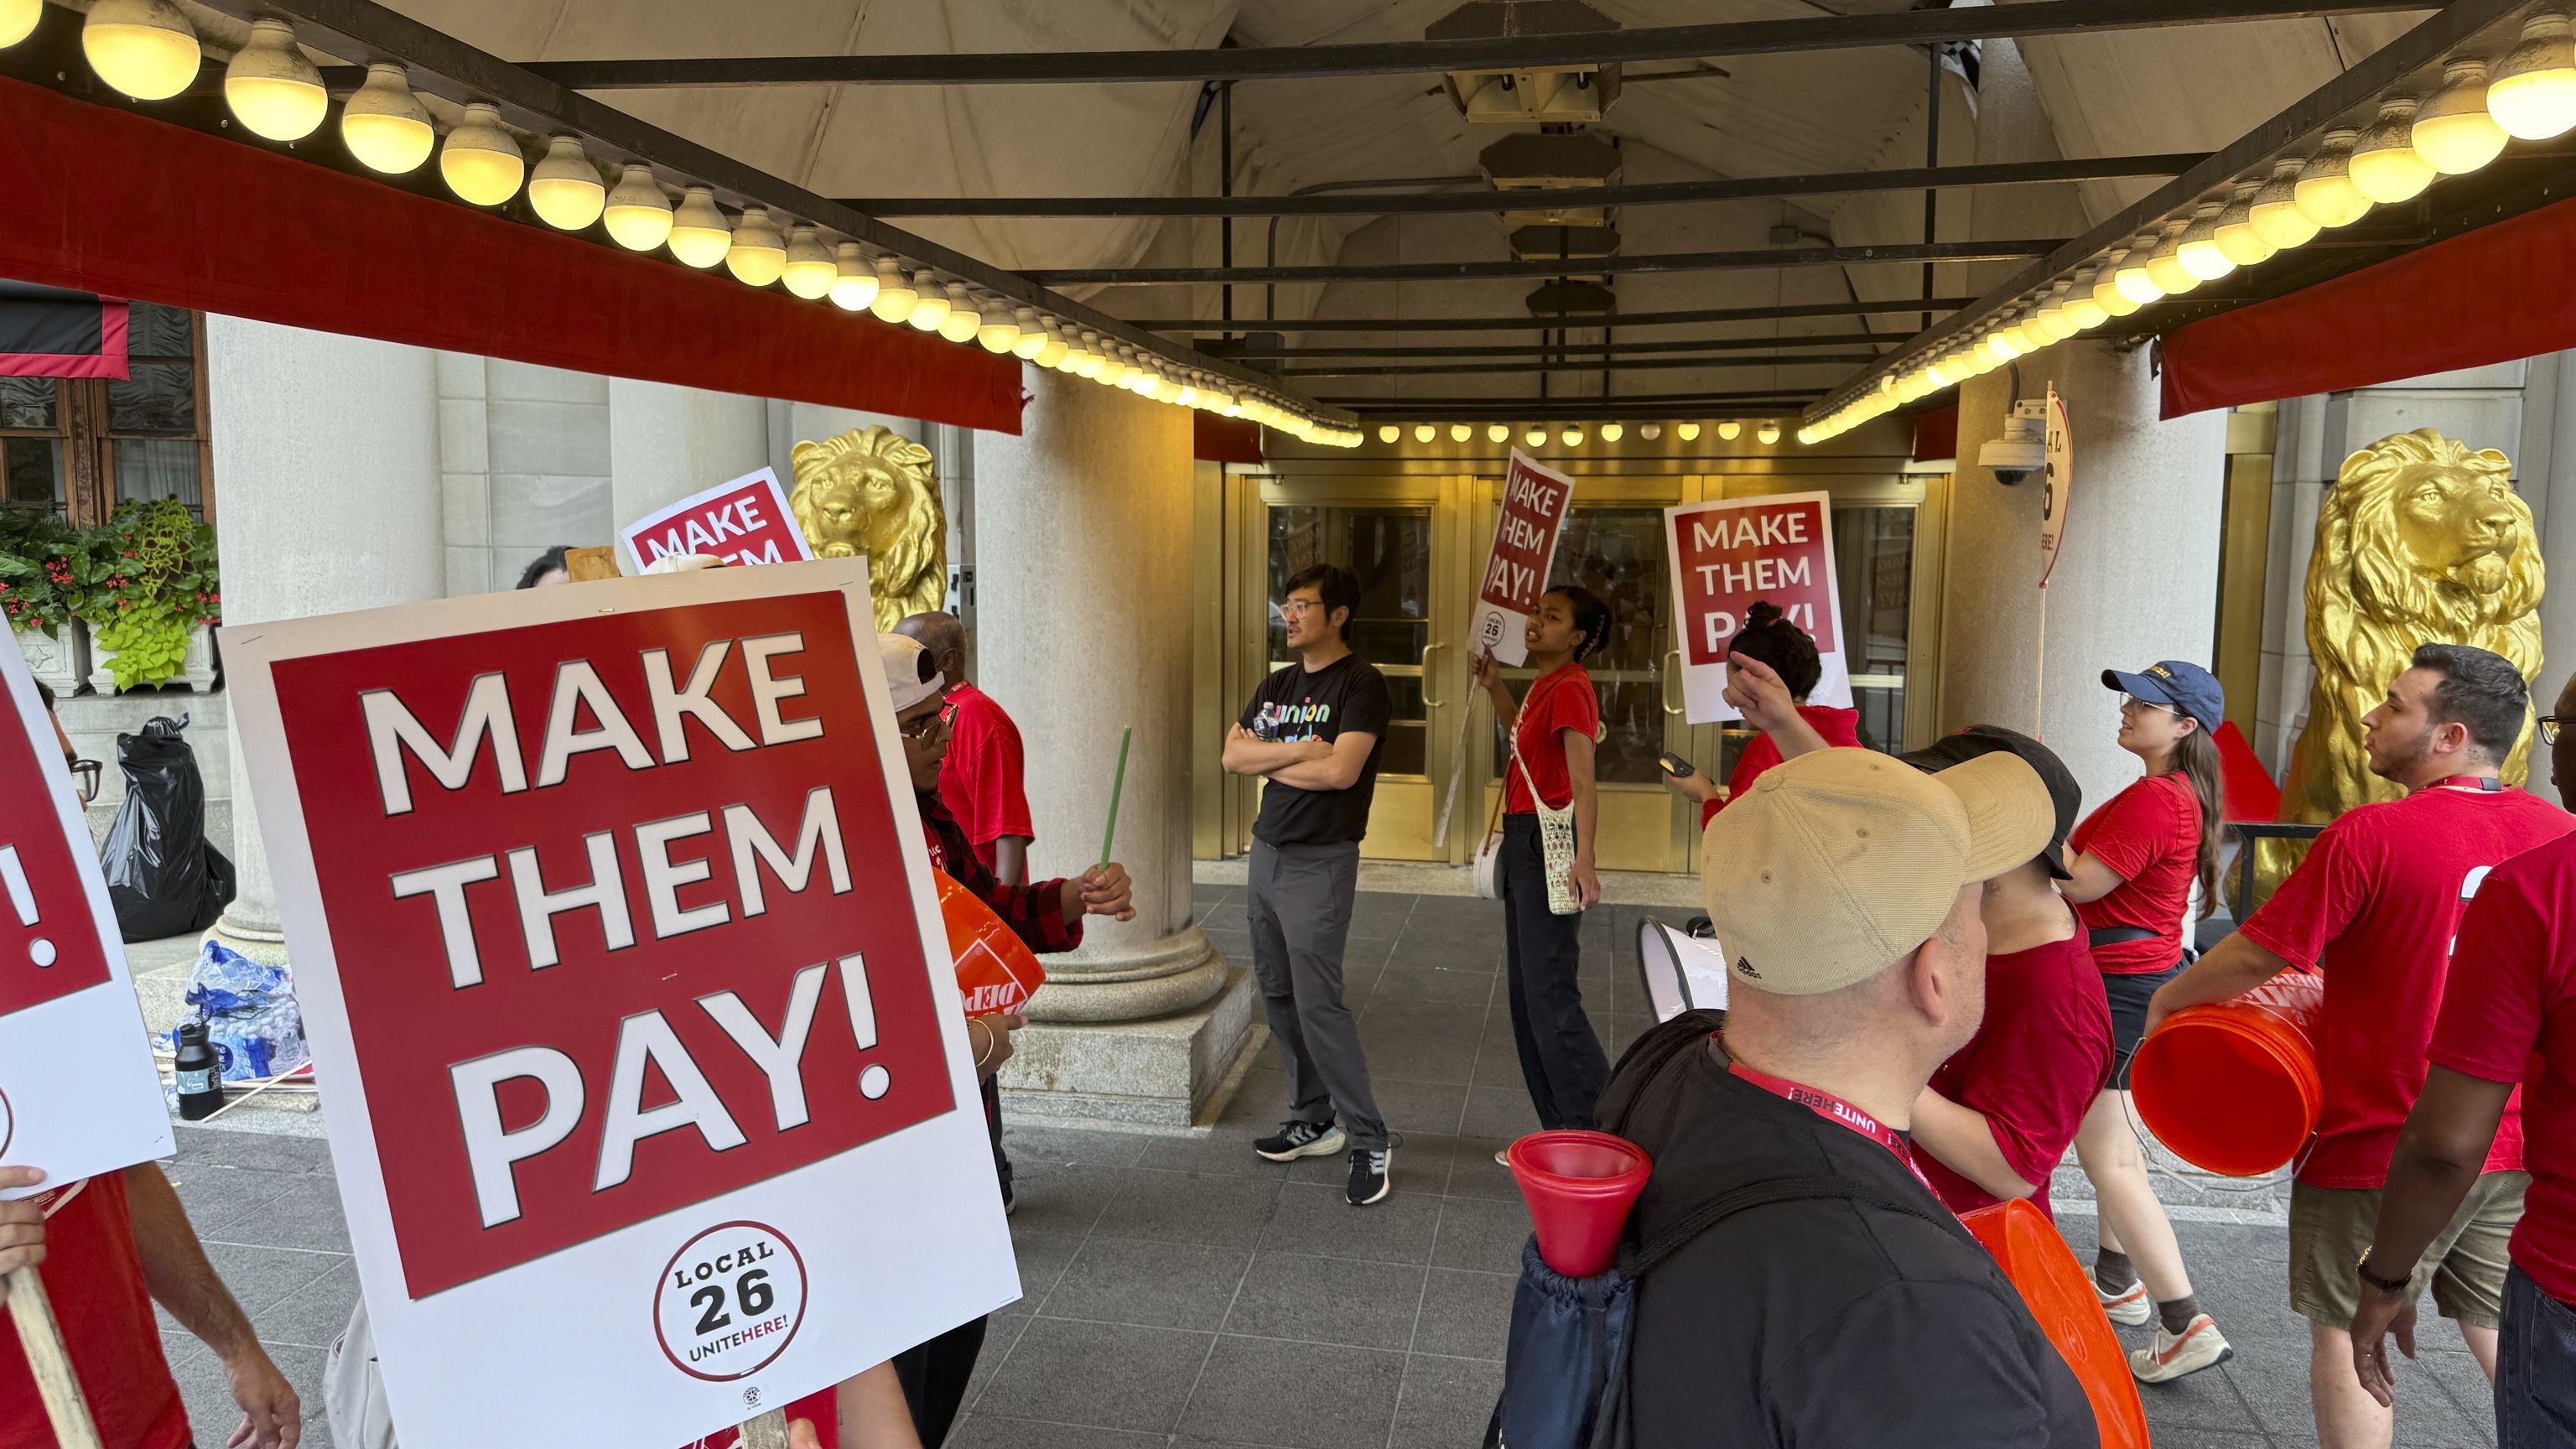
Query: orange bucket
{"points": [[2060, 1296], [1579, 1186], [2232, 1086], [995, 970]]}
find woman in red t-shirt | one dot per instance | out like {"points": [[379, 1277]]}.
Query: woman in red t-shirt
{"points": [[1553, 732], [1792, 655], [2135, 861]]}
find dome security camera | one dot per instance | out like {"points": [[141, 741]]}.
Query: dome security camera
{"points": [[2020, 452]]}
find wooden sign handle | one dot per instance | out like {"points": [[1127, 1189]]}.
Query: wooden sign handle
{"points": [[34, 1314], [763, 1431]]}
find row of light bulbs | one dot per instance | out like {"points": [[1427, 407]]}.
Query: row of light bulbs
{"points": [[148, 50], [2530, 95], [1571, 434]]}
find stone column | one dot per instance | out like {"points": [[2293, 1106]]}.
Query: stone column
{"points": [[1083, 528], [327, 448], [2137, 573], [667, 442]]}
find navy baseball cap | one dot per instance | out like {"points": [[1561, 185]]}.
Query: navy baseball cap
{"points": [[2063, 793], [2177, 682]]}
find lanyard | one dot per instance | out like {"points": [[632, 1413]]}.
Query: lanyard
{"points": [[2488, 784], [1835, 1109]]}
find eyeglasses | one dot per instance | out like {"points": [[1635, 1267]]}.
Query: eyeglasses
{"points": [[85, 775], [2131, 701], [2549, 724], [1297, 608], [925, 729]]}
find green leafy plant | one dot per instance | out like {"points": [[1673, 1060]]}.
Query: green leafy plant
{"points": [[150, 578], [41, 560]]}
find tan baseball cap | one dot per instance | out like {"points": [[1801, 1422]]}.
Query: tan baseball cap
{"points": [[1837, 862]]}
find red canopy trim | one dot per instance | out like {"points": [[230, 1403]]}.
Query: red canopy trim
{"points": [[109, 201], [2486, 296], [1215, 439], [50, 332]]}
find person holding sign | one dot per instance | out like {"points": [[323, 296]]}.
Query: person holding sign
{"points": [[1550, 813], [1791, 653]]}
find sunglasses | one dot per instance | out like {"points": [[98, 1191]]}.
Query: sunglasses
{"points": [[2549, 724], [85, 775], [925, 729]]}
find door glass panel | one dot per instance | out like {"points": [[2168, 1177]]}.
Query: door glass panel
{"points": [[1618, 553], [1389, 551], [1874, 566]]}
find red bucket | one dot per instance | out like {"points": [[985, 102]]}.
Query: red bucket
{"points": [[2232, 1086], [2060, 1296], [1579, 1186]]}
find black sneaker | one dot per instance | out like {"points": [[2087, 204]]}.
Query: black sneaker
{"points": [[1300, 1139], [1369, 1180]]}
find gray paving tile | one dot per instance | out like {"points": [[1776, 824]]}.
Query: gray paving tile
{"points": [[1409, 1106], [1034, 1146], [215, 1195], [1042, 1256], [1238, 1398], [1409, 980], [1475, 1173], [1465, 1315], [1192, 1207], [313, 1315], [1053, 1199], [1055, 1372], [294, 1219], [1446, 1402], [1001, 1332], [260, 1150], [1315, 1218], [1499, 1105], [1153, 1285], [1228, 1153], [259, 1277], [1484, 1234], [1327, 1300], [986, 1431]]}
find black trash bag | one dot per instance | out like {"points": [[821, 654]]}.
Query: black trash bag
{"points": [[163, 878]]}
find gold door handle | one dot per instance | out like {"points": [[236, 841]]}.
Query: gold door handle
{"points": [[1672, 676], [1427, 701]]}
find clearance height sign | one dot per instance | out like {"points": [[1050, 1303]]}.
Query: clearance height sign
{"points": [[1730, 555], [641, 1049]]}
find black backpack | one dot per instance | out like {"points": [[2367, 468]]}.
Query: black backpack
{"points": [[1565, 1373]]}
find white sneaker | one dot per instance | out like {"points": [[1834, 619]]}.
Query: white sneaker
{"points": [[2129, 1306], [2172, 1355]]}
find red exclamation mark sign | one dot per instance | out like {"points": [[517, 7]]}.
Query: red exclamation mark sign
{"points": [[13, 878]]}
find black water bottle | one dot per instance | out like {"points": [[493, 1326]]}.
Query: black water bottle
{"points": [[199, 1073]]}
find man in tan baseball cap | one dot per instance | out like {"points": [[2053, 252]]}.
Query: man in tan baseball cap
{"points": [[1848, 1306]]}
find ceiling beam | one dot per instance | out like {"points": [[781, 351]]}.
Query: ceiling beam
{"points": [[1762, 258], [1636, 364], [1560, 349], [1426, 57], [1534, 324], [1660, 193], [1781, 404]]}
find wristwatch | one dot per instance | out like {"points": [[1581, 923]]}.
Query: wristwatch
{"points": [[2384, 1285]]}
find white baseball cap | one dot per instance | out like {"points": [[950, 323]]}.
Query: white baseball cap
{"points": [[911, 676]]}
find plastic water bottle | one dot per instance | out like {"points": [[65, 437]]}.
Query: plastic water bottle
{"points": [[198, 1072]]}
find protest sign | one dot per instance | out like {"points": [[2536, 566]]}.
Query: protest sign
{"points": [[2057, 486], [78, 1091], [1536, 500], [641, 1050], [1728, 556], [746, 521]]}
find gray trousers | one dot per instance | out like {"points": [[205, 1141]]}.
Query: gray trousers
{"points": [[1298, 898]]}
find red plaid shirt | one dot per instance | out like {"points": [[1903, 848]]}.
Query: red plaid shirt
{"points": [[1034, 912]]}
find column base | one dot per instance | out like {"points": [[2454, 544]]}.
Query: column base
{"points": [[268, 948], [1175, 1074]]}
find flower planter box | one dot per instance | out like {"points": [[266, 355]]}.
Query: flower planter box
{"points": [[60, 663], [196, 667]]}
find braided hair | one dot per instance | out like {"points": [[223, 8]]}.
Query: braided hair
{"points": [[1591, 618], [1770, 637]]}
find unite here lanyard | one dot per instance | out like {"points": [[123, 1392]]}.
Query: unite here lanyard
{"points": [[1835, 1109]]}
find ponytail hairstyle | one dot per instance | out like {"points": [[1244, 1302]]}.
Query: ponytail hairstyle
{"points": [[1770, 637], [2196, 756], [1591, 619]]}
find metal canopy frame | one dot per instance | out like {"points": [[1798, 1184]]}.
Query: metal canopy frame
{"points": [[1309, 62], [1578, 322], [1545, 267], [1582, 365], [1650, 407], [1569, 349]]}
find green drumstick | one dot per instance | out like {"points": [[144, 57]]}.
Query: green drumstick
{"points": [[1117, 786]]}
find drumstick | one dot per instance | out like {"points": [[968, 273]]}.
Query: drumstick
{"points": [[1117, 786], [43, 1341]]}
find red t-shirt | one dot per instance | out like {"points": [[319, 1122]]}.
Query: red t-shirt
{"points": [[2509, 1015], [979, 781], [1840, 727], [2149, 834], [1561, 699], [95, 1280], [2034, 1066], [2374, 907]]}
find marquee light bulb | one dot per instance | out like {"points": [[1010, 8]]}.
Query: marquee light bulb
{"points": [[384, 125], [2164, 264], [1460, 432], [2132, 278], [1536, 437], [2196, 250], [757, 255], [145, 48], [565, 190], [637, 213], [1770, 433], [963, 320], [808, 267], [895, 296], [1689, 432], [271, 86], [1389, 432], [1424, 432], [2453, 131], [2324, 189], [2238, 239], [1032, 338], [2533, 95], [1612, 432], [18, 20], [1572, 437], [854, 282], [2107, 292], [479, 161], [1651, 432], [932, 308], [2082, 307], [1055, 351], [1498, 432], [2385, 165]]}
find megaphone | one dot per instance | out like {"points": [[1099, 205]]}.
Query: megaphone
{"points": [[1682, 972]]}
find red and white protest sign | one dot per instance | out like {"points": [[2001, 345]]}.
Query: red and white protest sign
{"points": [[746, 521], [639, 1039], [78, 1091], [2057, 484], [1730, 555], [1536, 501]]}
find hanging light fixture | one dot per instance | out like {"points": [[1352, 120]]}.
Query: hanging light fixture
{"points": [[932, 309], [2106, 290], [757, 254], [2324, 189], [1650, 431], [1536, 437], [565, 190], [2453, 131], [1572, 437], [895, 296], [1612, 432], [2164, 264], [2196, 249], [1052, 348], [269, 84], [2533, 94], [1089, 360], [2133, 279], [637, 213], [18, 20], [1770, 432], [963, 320], [1424, 432], [699, 235], [479, 161], [1460, 432], [384, 125], [854, 282], [2051, 317], [809, 269], [145, 48], [2238, 239], [1032, 339], [2082, 307], [2385, 165], [1498, 432], [1689, 432]]}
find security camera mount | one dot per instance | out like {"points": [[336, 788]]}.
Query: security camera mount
{"points": [[2021, 451]]}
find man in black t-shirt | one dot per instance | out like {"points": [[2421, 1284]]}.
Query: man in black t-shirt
{"points": [[1314, 731]]}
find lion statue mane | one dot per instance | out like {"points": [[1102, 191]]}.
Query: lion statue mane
{"points": [[2421, 540], [871, 492]]}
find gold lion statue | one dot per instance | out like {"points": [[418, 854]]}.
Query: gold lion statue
{"points": [[871, 492], [2421, 541]]}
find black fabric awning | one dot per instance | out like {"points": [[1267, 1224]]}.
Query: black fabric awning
{"points": [[51, 332]]}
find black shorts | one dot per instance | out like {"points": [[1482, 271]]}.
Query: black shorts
{"points": [[2128, 993]]}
